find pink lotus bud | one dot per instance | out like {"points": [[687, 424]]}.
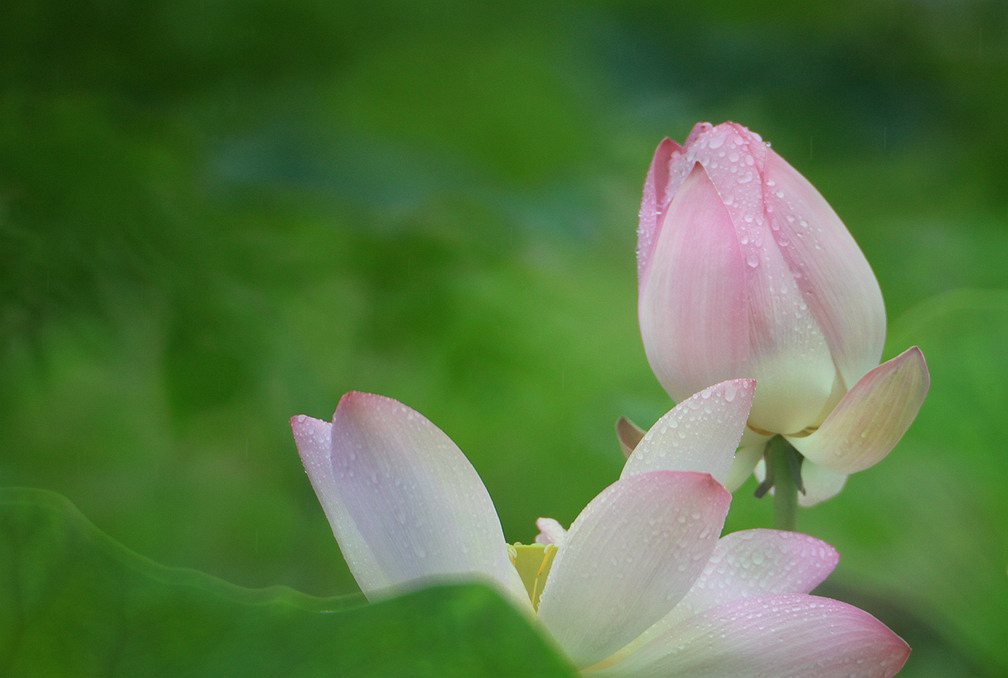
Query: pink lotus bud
{"points": [[745, 271]]}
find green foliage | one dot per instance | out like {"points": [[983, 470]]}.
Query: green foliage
{"points": [[78, 603]]}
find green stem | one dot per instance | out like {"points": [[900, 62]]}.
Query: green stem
{"points": [[784, 466]]}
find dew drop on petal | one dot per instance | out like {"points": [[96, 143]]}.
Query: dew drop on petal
{"points": [[730, 392]]}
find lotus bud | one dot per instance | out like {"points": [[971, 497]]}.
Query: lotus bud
{"points": [[745, 271]]}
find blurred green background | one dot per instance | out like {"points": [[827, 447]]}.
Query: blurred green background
{"points": [[215, 215]]}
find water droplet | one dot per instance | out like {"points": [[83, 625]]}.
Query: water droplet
{"points": [[730, 391], [753, 261]]}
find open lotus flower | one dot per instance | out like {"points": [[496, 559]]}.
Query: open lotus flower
{"points": [[745, 271], [640, 584]]}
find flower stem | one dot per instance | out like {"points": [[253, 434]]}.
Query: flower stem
{"points": [[784, 466]]}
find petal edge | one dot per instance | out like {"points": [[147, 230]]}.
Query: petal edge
{"points": [[868, 422]]}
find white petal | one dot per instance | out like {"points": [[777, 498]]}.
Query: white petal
{"points": [[820, 483], [833, 274], [628, 558], [871, 418], [785, 636], [788, 355], [692, 304], [754, 563], [550, 532], [699, 434], [404, 503], [745, 462]]}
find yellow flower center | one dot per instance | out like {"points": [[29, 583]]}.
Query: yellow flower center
{"points": [[533, 562]]}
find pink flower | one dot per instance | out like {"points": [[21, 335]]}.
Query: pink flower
{"points": [[640, 584], [745, 271]]}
